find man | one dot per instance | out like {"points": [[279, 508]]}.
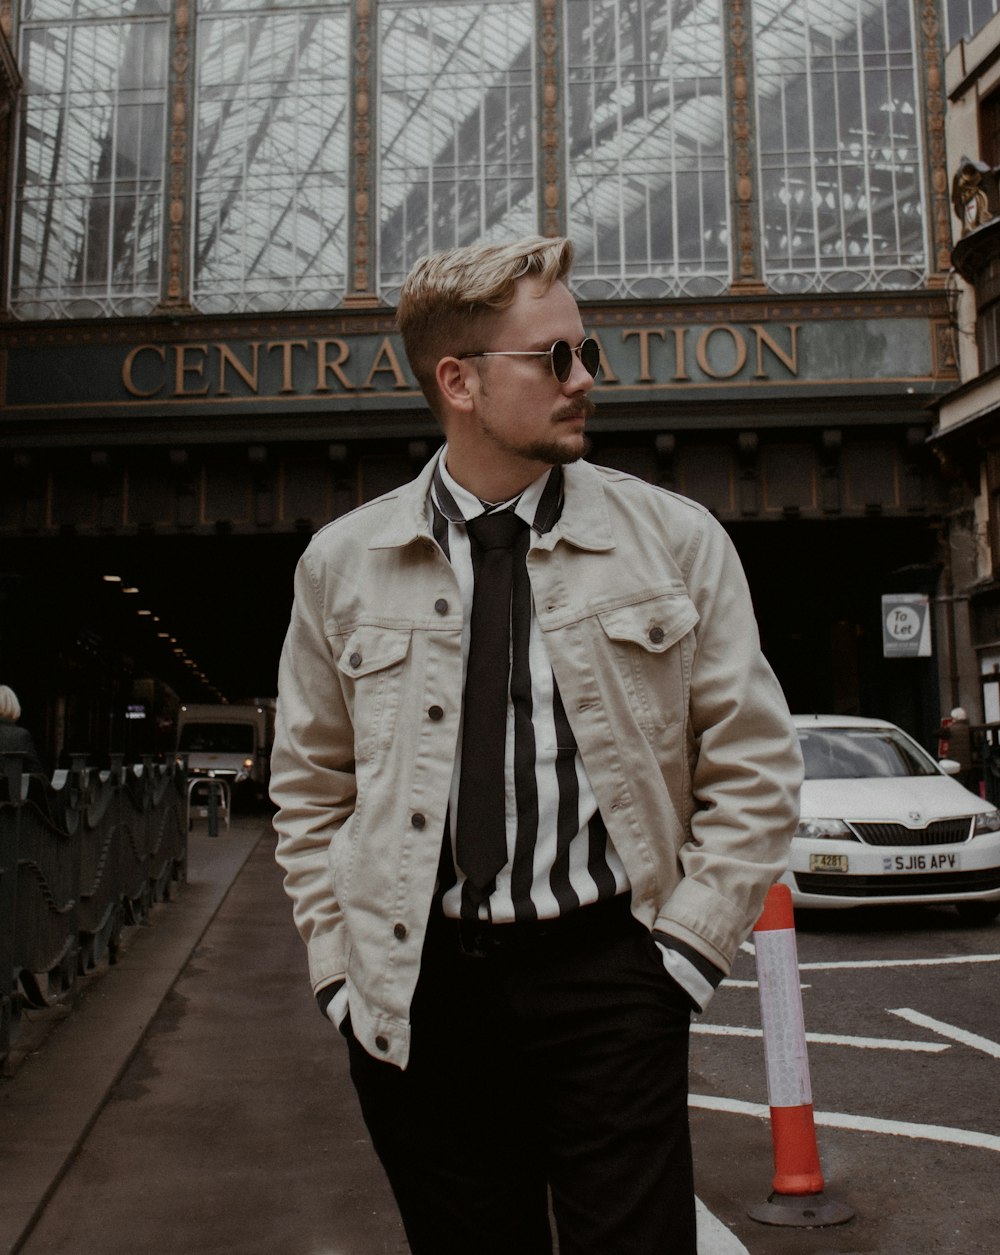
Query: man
{"points": [[512, 917]]}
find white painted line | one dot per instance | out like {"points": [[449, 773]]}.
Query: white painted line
{"points": [[729, 983], [858, 1124], [747, 947], [948, 1030], [854, 963], [713, 1236], [827, 1039]]}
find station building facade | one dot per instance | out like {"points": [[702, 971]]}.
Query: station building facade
{"points": [[211, 205]]}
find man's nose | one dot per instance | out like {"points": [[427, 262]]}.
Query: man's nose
{"points": [[580, 379]]}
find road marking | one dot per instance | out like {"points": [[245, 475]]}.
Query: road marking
{"points": [[713, 1236], [858, 1124], [963, 958], [729, 983], [948, 1030], [828, 1039]]}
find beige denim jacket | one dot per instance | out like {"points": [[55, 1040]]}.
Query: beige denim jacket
{"points": [[683, 729]]}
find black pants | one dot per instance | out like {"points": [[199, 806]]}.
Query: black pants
{"points": [[558, 1064]]}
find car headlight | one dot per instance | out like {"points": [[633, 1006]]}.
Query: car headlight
{"points": [[824, 829], [988, 821]]}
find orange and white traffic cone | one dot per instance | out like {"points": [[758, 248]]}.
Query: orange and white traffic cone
{"points": [[797, 1197]]}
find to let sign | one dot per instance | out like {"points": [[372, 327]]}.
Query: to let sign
{"points": [[906, 625]]}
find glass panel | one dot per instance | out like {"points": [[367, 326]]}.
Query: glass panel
{"points": [[456, 136], [647, 188], [963, 18], [65, 10], [271, 160], [89, 207], [839, 143]]}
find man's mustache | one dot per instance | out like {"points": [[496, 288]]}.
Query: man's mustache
{"points": [[584, 408]]}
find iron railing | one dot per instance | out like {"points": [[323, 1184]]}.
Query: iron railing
{"points": [[81, 857]]}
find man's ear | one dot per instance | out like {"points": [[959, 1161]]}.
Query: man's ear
{"points": [[452, 377]]}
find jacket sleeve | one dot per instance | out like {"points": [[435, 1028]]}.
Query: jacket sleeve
{"points": [[747, 766], [312, 776]]}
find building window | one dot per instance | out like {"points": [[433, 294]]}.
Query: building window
{"points": [[965, 17], [630, 146], [88, 217], [270, 178], [648, 205], [457, 152], [839, 141], [989, 129]]}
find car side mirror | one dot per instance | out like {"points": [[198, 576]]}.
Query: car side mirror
{"points": [[949, 766]]}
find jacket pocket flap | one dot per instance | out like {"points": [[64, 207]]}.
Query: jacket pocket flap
{"points": [[655, 624], [370, 649]]}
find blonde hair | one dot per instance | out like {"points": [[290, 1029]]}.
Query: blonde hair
{"points": [[448, 296], [10, 707]]}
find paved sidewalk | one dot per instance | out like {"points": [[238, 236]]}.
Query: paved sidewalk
{"points": [[195, 1103]]}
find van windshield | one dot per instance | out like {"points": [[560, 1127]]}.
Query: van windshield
{"points": [[216, 738]]}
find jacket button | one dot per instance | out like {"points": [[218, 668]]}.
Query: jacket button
{"points": [[441, 606], [656, 635], [381, 1043], [418, 820], [435, 713], [399, 932], [355, 660]]}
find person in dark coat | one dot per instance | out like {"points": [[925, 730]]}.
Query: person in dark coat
{"points": [[15, 739]]}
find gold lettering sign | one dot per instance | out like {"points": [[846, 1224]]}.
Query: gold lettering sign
{"points": [[647, 356]]}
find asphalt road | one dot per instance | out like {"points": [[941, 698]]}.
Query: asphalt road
{"points": [[234, 1129], [902, 1017]]}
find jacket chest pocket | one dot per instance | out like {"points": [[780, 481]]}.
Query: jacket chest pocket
{"points": [[371, 665], [650, 642]]}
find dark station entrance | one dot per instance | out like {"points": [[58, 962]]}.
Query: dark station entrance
{"points": [[210, 613]]}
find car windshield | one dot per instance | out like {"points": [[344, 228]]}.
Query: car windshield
{"points": [[861, 753], [217, 738]]}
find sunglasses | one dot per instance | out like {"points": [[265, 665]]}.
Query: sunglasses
{"points": [[560, 357]]}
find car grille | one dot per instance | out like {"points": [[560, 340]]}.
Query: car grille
{"points": [[940, 832], [840, 886]]}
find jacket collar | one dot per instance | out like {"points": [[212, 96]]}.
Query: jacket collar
{"points": [[584, 522]]}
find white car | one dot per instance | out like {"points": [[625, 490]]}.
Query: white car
{"points": [[882, 822]]}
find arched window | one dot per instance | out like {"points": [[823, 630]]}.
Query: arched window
{"points": [[88, 214], [270, 155]]}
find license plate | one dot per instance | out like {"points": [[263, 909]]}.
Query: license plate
{"points": [[950, 862], [828, 862]]}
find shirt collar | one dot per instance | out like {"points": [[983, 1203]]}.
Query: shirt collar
{"points": [[538, 505]]}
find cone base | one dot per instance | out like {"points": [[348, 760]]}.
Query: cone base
{"points": [[801, 1211]]}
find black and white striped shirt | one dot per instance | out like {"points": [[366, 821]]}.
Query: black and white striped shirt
{"points": [[559, 854]]}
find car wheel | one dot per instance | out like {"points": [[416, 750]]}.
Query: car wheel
{"points": [[977, 912]]}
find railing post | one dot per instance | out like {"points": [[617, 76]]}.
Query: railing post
{"points": [[10, 815]]}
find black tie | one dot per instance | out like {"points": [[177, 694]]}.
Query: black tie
{"points": [[481, 834]]}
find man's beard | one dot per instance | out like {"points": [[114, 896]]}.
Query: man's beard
{"points": [[552, 451]]}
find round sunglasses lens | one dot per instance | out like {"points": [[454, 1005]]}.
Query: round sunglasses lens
{"points": [[562, 360], [590, 355]]}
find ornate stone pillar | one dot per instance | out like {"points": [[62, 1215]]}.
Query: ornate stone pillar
{"points": [[931, 72], [552, 207], [10, 86], [362, 225], [176, 289], [748, 269]]}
